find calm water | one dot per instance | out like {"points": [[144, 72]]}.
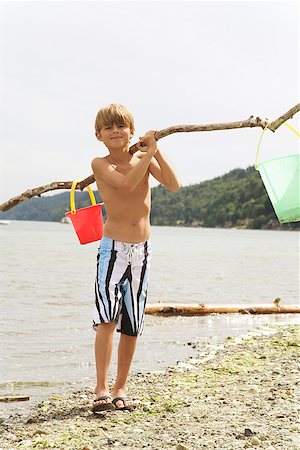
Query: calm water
{"points": [[47, 278]]}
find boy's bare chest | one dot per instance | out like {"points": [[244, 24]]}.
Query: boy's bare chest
{"points": [[124, 168]]}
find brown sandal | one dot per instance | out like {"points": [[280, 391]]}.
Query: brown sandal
{"points": [[123, 408], [108, 406]]}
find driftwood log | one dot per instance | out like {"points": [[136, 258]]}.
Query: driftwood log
{"points": [[251, 122], [199, 309], [14, 398]]}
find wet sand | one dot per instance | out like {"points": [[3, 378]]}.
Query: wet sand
{"points": [[243, 394]]}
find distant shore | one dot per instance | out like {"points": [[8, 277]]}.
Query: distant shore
{"points": [[237, 199], [242, 395]]}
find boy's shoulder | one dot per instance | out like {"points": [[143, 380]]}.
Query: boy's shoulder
{"points": [[99, 163], [99, 160]]}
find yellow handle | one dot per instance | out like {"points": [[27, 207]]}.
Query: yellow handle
{"points": [[261, 136], [291, 128], [72, 196]]}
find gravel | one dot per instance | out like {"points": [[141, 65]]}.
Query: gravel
{"points": [[241, 394]]}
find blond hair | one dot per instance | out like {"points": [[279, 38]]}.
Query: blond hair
{"points": [[114, 114]]}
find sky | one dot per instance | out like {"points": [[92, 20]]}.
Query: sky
{"points": [[168, 62]]}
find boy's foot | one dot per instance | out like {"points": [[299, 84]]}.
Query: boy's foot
{"points": [[102, 403], [124, 404]]}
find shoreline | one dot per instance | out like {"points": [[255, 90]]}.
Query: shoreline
{"points": [[272, 225], [241, 395]]}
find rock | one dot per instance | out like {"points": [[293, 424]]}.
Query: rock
{"points": [[183, 365], [254, 441], [39, 431], [248, 432], [31, 419], [165, 436], [12, 437], [181, 447], [138, 430]]}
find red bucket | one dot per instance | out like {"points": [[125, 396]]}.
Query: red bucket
{"points": [[87, 222]]}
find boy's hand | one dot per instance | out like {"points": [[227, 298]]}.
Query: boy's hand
{"points": [[147, 142]]}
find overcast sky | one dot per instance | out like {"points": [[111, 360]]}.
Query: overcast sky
{"points": [[168, 62]]}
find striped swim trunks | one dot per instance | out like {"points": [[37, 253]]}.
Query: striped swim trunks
{"points": [[121, 285]]}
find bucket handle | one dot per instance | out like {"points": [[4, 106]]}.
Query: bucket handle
{"points": [[261, 136], [72, 196]]}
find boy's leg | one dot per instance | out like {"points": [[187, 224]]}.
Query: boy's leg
{"points": [[127, 346], [134, 294], [103, 352], [110, 269]]}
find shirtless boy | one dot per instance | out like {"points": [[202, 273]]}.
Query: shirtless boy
{"points": [[125, 250]]}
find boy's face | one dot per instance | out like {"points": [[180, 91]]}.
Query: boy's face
{"points": [[115, 135]]}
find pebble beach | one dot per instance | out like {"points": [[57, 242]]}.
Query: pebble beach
{"points": [[242, 394]]}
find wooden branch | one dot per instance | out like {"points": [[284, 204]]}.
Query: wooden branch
{"points": [[14, 398], [38, 191], [251, 122], [174, 309], [288, 115], [248, 123]]}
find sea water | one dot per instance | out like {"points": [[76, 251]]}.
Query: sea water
{"points": [[47, 292]]}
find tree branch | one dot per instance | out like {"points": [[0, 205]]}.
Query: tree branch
{"points": [[248, 123], [251, 122], [288, 115]]}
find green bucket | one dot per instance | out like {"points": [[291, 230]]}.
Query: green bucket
{"points": [[281, 180]]}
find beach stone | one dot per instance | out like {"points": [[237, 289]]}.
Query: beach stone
{"points": [[31, 419], [181, 447], [248, 432], [12, 437], [254, 441], [165, 436], [136, 433], [138, 430], [39, 431], [27, 443]]}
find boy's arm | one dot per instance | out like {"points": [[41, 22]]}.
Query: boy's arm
{"points": [[103, 169], [159, 166], [163, 172]]}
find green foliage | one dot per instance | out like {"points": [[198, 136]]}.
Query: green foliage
{"points": [[236, 199]]}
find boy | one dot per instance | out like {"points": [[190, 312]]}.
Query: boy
{"points": [[125, 251]]}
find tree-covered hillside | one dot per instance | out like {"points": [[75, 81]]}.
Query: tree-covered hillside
{"points": [[236, 199], [50, 208]]}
